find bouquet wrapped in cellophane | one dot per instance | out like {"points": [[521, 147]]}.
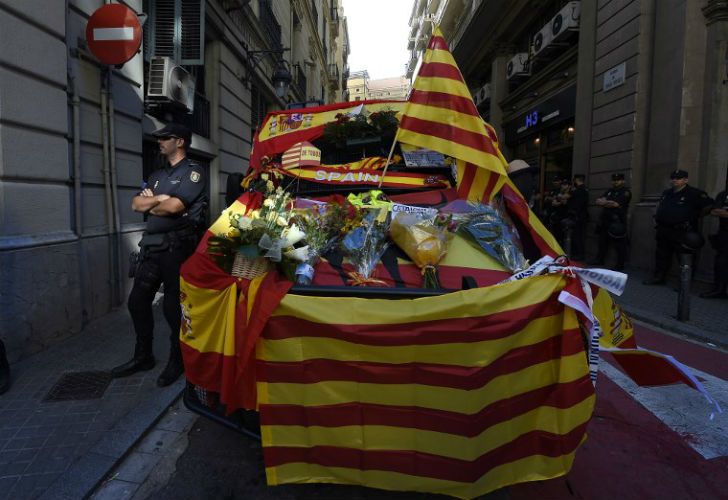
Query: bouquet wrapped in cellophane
{"points": [[321, 223], [261, 233], [365, 243], [492, 229], [424, 237]]}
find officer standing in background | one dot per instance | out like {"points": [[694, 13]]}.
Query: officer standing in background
{"points": [[577, 207], [612, 225], [677, 217], [559, 209], [548, 199], [175, 200], [720, 244]]}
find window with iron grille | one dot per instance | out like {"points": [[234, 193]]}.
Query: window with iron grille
{"points": [[258, 109], [270, 24], [175, 29]]}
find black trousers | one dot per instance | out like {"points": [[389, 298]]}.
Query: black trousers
{"points": [[578, 239], [620, 246], [668, 241], [157, 268]]}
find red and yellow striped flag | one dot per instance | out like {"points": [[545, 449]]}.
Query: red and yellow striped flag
{"points": [[440, 115], [460, 394]]}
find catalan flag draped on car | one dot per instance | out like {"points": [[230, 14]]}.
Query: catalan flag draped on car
{"points": [[459, 394]]}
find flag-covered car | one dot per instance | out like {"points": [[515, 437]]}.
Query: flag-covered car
{"points": [[486, 380]]}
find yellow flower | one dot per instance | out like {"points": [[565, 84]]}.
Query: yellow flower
{"points": [[264, 176], [268, 202], [269, 186], [233, 233]]}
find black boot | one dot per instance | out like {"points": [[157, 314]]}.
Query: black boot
{"points": [[142, 361], [174, 367], [4, 370]]}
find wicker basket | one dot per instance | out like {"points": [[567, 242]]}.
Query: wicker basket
{"points": [[247, 268]]}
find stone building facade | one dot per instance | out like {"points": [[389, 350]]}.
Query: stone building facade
{"points": [[602, 86], [358, 85], [75, 139], [389, 88]]}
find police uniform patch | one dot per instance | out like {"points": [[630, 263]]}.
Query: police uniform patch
{"points": [[195, 176]]}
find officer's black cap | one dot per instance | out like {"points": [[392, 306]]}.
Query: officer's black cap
{"points": [[174, 130], [617, 177], [678, 174]]}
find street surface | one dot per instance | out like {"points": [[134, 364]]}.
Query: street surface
{"points": [[643, 443]]}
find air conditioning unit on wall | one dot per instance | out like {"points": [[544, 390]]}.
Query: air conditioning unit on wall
{"points": [[541, 40], [170, 83], [566, 22], [482, 94], [518, 66]]}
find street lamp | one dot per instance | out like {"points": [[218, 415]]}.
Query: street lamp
{"points": [[281, 78]]}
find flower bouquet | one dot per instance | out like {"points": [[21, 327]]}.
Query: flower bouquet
{"points": [[365, 243], [257, 237], [424, 238], [492, 229], [321, 224]]}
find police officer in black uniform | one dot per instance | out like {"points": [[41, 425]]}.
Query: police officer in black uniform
{"points": [[612, 226], [676, 218], [559, 210], [175, 200], [720, 244], [577, 211]]}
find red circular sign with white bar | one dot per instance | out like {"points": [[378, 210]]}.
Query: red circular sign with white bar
{"points": [[114, 34]]}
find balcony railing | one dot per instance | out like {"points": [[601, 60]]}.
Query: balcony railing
{"points": [[199, 121], [270, 24], [334, 20], [334, 73], [300, 82]]}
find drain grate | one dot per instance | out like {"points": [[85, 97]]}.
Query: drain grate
{"points": [[79, 385]]}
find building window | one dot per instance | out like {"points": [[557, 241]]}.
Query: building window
{"points": [[175, 29], [258, 110], [270, 24]]}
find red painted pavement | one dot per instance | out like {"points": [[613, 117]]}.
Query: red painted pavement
{"points": [[630, 453]]}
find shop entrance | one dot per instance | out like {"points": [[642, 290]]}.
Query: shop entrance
{"points": [[552, 150]]}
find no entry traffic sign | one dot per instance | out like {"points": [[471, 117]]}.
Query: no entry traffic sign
{"points": [[114, 34]]}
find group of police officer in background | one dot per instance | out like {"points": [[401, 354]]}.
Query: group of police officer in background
{"points": [[565, 213], [677, 230]]}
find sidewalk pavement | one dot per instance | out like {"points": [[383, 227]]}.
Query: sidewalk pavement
{"points": [[656, 305], [64, 449]]}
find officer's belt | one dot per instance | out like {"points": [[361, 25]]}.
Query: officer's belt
{"points": [[681, 225]]}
